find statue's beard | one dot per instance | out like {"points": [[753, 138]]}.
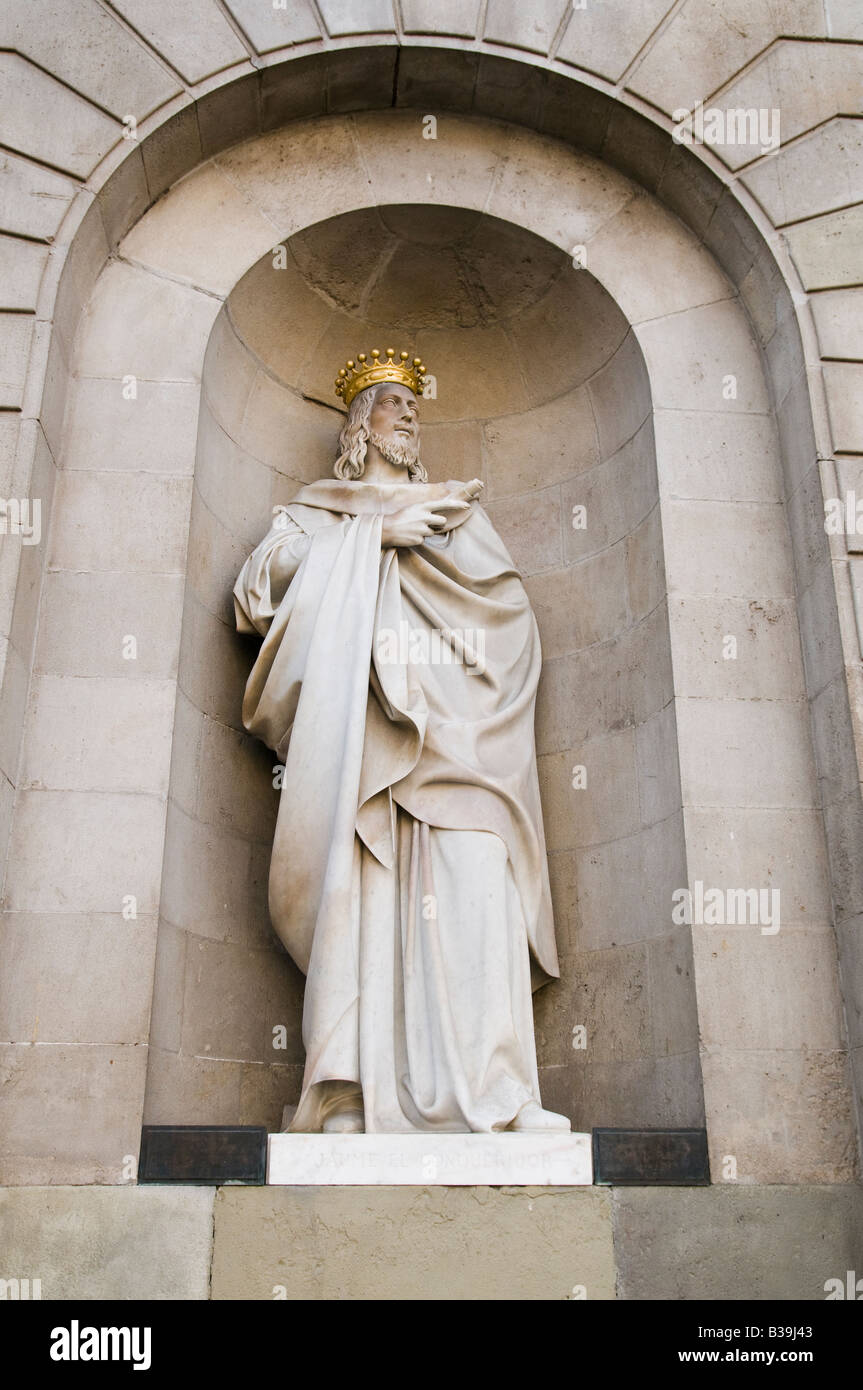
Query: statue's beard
{"points": [[404, 454]]}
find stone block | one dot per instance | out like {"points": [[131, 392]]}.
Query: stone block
{"points": [[197, 42], [606, 686], [605, 41], [43, 118], [800, 1012], [717, 455], [834, 735], [606, 808], [509, 23], [820, 635], [234, 487], [437, 78], [727, 548], [168, 240], [844, 384], [760, 847], [838, 316], [843, 821], [21, 267], [303, 173], [97, 734], [16, 332], [440, 17], [62, 977], [656, 763], [850, 941], [581, 605], [105, 62], [673, 1006], [33, 200], [184, 1090], [233, 1000], [169, 978], [620, 396], [102, 848], [124, 197], [232, 112], [697, 52], [530, 527], [820, 172], [229, 373], [828, 250], [507, 90], [94, 1093], [270, 28], [646, 582], [215, 664], [86, 619], [154, 432], [617, 495], [733, 1242], [139, 324], [766, 663], [530, 184], [784, 1116], [626, 886], [235, 788], [413, 1243], [691, 356], [205, 882], [122, 522], [746, 753], [135, 1243]]}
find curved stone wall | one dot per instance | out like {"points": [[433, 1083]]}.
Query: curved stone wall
{"points": [[718, 478]]}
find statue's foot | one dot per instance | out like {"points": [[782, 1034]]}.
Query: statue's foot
{"points": [[532, 1117], [344, 1122]]}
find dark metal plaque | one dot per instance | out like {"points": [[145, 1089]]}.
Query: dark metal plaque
{"points": [[203, 1154], [651, 1157]]}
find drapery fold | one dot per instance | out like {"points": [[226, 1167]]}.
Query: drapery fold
{"points": [[388, 682]]}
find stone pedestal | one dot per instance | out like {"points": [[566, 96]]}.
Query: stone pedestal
{"points": [[430, 1160]]}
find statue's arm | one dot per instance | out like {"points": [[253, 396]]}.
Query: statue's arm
{"points": [[264, 578]]}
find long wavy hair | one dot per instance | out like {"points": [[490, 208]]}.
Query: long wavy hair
{"points": [[354, 438]]}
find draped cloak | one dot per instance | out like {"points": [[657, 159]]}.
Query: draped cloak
{"points": [[398, 688]]}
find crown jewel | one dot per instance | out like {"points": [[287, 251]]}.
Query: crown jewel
{"points": [[356, 376]]}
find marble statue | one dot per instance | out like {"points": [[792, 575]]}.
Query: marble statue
{"points": [[396, 682]]}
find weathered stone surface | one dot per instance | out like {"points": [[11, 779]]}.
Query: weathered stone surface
{"points": [[413, 1243], [111, 1242], [270, 27], [197, 41], [735, 1242]]}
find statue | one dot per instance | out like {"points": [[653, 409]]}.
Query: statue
{"points": [[396, 682]]}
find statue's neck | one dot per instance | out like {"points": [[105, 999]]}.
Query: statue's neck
{"points": [[377, 469]]}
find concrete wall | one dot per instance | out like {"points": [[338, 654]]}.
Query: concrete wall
{"points": [[281, 1244], [790, 1116]]}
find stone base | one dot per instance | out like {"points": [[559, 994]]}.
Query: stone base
{"points": [[426, 1160], [399, 1242]]}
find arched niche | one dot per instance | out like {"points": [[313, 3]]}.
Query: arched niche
{"points": [[737, 731], [541, 389]]}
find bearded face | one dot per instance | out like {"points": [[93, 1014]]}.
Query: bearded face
{"points": [[401, 451], [386, 416]]}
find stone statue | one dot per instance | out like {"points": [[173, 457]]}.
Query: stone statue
{"points": [[396, 682]]}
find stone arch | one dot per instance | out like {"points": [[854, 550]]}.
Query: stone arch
{"points": [[681, 314]]}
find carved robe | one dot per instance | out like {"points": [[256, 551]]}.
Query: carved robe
{"points": [[408, 878]]}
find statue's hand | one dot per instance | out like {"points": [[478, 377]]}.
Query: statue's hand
{"points": [[414, 523]]}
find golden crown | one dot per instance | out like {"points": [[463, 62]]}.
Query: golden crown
{"points": [[356, 376]]}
